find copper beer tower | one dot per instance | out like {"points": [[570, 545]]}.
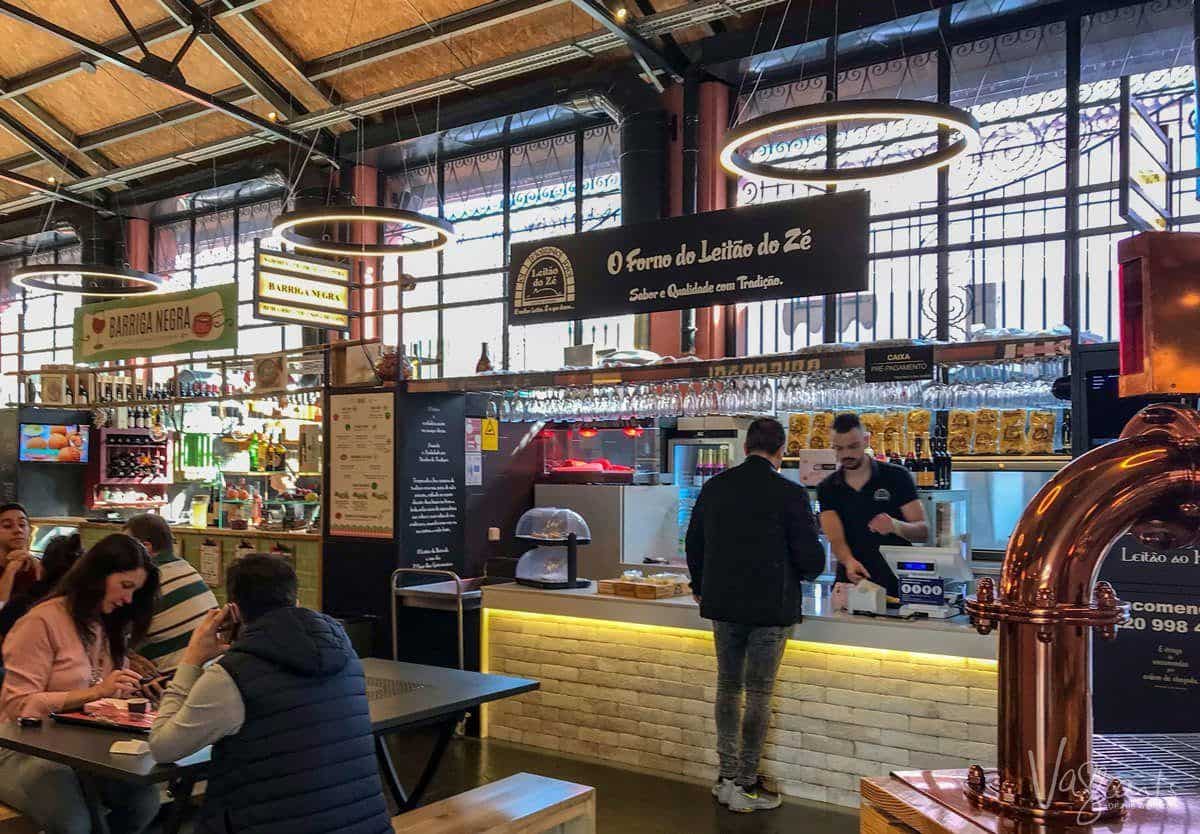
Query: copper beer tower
{"points": [[1049, 603]]}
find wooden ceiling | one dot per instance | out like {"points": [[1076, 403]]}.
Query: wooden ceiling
{"points": [[73, 116]]}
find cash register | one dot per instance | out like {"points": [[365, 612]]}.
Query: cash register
{"points": [[933, 580]]}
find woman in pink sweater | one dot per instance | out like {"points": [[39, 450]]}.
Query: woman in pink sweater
{"points": [[67, 651]]}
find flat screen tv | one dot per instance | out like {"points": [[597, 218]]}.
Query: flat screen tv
{"points": [[42, 443]]}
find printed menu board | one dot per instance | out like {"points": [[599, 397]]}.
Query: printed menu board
{"points": [[362, 441], [434, 491], [1154, 663]]}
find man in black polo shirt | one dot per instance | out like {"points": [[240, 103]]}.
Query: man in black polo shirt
{"points": [[866, 504]]}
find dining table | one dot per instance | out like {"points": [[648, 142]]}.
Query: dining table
{"points": [[402, 697]]}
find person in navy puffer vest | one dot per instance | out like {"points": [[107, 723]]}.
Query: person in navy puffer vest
{"points": [[285, 708]]}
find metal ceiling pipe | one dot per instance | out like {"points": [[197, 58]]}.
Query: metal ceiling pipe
{"points": [[1049, 602]]}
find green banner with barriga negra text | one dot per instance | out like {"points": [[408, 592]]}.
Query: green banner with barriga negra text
{"points": [[178, 322]]}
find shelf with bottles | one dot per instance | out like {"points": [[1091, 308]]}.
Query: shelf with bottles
{"points": [[819, 358], [178, 382], [135, 456]]}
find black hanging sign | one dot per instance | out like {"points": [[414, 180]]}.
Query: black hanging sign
{"points": [[812, 246], [898, 364]]}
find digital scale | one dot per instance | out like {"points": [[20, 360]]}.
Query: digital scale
{"points": [[933, 580]]}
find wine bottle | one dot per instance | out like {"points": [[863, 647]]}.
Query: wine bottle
{"points": [[926, 467], [910, 458], [485, 362]]}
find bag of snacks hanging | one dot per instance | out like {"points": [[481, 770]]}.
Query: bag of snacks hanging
{"points": [[1013, 440], [873, 424], [1041, 432], [987, 432], [919, 421], [822, 428], [960, 431], [799, 427]]}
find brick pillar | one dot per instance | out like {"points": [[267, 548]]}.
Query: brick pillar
{"points": [[365, 186]]}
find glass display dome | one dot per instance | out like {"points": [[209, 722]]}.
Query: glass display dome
{"points": [[543, 566], [552, 524]]}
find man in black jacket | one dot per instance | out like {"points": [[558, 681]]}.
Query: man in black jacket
{"points": [[751, 541]]}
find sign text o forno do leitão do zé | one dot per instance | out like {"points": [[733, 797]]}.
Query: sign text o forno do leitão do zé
{"points": [[126, 328], [812, 246]]}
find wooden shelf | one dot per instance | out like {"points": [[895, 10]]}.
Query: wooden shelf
{"points": [[1010, 463], [780, 364]]}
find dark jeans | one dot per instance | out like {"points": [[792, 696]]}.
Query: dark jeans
{"points": [[748, 659]]}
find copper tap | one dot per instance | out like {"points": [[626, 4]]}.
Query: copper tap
{"points": [[1048, 602]]}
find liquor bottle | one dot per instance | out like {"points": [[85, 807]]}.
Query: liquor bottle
{"points": [[925, 463], [892, 441], [484, 365], [701, 467], [253, 450], [910, 458], [416, 360], [942, 459], [1066, 432], [947, 466]]}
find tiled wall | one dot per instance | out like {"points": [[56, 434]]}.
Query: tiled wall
{"points": [[643, 695]]}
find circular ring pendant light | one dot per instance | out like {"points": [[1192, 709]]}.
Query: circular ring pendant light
{"points": [[88, 279], [301, 229], [833, 112]]}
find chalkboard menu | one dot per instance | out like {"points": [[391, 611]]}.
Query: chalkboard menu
{"points": [[1148, 679], [434, 491]]}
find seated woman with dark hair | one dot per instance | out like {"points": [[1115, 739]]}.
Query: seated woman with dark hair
{"points": [[60, 554], [68, 651]]}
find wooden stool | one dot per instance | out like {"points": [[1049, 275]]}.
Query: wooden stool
{"points": [[13, 821], [521, 804]]}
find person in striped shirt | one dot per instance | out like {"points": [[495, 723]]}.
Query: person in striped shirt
{"points": [[184, 598]]}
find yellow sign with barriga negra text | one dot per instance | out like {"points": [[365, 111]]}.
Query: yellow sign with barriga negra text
{"points": [[301, 290]]}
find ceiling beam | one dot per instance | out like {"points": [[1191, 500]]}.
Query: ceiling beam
{"points": [[489, 14], [642, 48], [49, 190], [174, 83], [154, 33], [92, 160], [509, 68], [240, 62], [279, 47], [41, 148]]}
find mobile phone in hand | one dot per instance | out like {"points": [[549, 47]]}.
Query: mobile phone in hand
{"points": [[231, 625]]}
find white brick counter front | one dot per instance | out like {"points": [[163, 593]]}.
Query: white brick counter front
{"points": [[632, 682]]}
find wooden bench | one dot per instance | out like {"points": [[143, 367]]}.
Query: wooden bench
{"points": [[13, 821], [521, 804]]}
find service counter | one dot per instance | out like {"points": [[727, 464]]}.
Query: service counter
{"points": [[197, 546], [633, 682]]}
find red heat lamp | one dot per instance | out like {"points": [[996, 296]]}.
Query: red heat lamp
{"points": [[633, 431], [588, 431]]}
